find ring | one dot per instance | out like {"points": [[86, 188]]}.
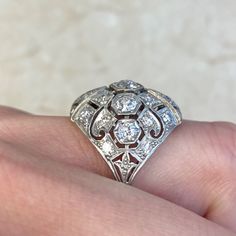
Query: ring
{"points": [[126, 123]]}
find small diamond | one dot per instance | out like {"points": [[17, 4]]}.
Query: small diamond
{"points": [[107, 146], [167, 99], [149, 121], [104, 121], [127, 131], [102, 97], [166, 118], [126, 103], [85, 115], [145, 148], [88, 94], [81, 99], [149, 99], [127, 85]]}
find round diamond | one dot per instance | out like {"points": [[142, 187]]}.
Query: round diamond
{"points": [[166, 118], [85, 115], [150, 100], [102, 97], [149, 122], [126, 103], [107, 148], [126, 85], [127, 131], [104, 121]]}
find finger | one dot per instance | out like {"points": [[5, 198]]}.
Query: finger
{"points": [[55, 137], [44, 197], [192, 168], [196, 168], [6, 112]]}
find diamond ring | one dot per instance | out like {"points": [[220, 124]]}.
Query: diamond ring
{"points": [[126, 123]]}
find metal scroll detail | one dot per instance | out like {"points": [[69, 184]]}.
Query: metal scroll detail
{"points": [[126, 123]]}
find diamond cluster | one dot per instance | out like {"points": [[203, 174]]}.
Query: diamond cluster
{"points": [[126, 123], [104, 122]]}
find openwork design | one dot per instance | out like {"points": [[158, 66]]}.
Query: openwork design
{"points": [[126, 123]]}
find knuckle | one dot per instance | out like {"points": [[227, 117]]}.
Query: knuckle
{"points": [[7, 167], [6, 127], [221, 152], [10, 120], [14, 168], [5, 120], [225, 134], [219, 166], [6, 111]]}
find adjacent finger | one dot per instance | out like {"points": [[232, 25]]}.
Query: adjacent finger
{"points": [[190, 169], [55, 137], [40, 196], [196, 169]]}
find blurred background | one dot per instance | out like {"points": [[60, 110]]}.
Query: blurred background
{"points": [[52, 51]]}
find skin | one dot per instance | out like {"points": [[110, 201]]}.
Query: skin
{"points": [[54, 182]]}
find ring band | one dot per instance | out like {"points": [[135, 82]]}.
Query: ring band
{"points": [[126, 123]]}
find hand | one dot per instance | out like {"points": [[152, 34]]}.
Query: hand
{"points": [[52, 182]]}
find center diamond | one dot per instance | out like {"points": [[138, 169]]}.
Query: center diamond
{"points": [[126, 103], [127, 131]]}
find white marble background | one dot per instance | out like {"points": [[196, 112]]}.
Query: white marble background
{"points": [[52, 51]]}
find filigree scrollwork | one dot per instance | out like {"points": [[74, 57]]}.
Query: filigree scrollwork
{"points": [[126, 123], [102, 124]]}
